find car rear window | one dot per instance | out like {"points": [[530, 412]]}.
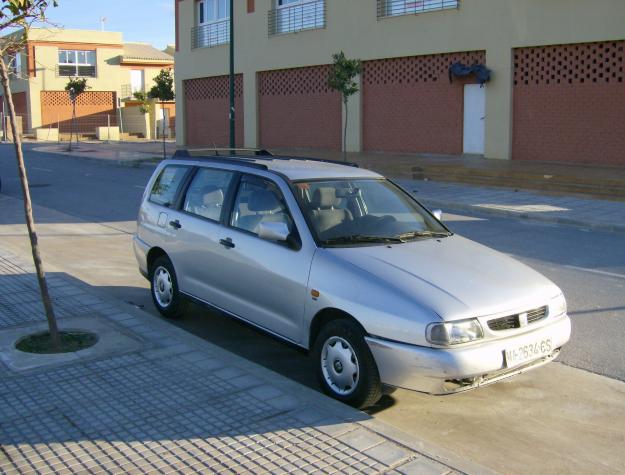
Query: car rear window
{"points": [[166, 185]]}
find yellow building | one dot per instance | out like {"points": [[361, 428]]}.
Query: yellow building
{"points": [[114, 71], [556, 89]]}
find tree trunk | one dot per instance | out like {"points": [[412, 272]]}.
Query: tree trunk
{"points": [[73, 124], [345, 134], [28, 211]]}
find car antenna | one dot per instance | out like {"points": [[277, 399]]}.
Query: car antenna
{"points": [[215, 147]]}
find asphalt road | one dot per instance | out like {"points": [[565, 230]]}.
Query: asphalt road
{"points": [[86, 213]]}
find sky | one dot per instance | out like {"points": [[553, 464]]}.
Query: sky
{"points": [[150, 21]]}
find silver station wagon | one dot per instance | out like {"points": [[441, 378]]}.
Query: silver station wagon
{"points": [[342, 262]]}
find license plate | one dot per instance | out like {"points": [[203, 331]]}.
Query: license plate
{"points": [[528, 352]]}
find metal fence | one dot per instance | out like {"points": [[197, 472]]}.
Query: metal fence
{"points": [[297, 17], [388, 8], [210, 34], [78, 70]]}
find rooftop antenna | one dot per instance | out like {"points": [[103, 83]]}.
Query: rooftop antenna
{"points": [[102, 22]]}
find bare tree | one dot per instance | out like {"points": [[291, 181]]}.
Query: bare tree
{"points": [[16, 19]]}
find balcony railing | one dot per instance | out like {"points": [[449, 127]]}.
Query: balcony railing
{"points": [[211, 34], [128, 92], [85, 71], [297, 17], [388, 8]]}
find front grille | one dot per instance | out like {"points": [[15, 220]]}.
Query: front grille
{"points": [[513, 321], [536, 315]]}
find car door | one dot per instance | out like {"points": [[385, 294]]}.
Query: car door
{"points": [[197, 254], [266, 281], [158, 209]]}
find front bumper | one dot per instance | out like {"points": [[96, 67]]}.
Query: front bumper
{"points": [[446, 371]]}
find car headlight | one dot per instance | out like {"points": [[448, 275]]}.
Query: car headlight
{"points": [[454, 333], [557, 306]]}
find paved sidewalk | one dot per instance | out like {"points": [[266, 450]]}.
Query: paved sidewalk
{"points": [[129, 154], [589, 213], [177, 404]]}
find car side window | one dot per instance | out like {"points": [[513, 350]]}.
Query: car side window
{"points": [[259, 201], [166, 185], [206, 193]]}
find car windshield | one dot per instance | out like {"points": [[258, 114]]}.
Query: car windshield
{"points": [[365, 211]]}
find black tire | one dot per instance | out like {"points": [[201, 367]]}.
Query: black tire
{"points": [[367, 389], [176, 307], [388, 390]]}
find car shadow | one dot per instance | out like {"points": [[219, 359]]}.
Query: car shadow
{"points": [[239, 338], [138, 396]]}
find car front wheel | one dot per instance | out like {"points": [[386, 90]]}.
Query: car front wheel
{"points": [[345, 366], [164, 285]]}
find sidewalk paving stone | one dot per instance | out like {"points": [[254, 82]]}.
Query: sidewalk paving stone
{"points": [[188, 406]]}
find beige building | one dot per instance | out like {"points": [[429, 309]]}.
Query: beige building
{"points": [[114, 71], [556, 88]]}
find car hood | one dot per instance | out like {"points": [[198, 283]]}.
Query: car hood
{"points": [[454, 277]]}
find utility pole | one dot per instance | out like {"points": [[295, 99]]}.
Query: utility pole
{"points": [[232, 140]]}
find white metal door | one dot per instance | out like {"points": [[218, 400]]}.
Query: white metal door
{"points": [[474, 118]]}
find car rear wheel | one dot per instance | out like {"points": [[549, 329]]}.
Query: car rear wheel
{"points": [[345, 366], [164, 285]]}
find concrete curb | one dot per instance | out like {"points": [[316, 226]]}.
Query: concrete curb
{"points": [[454, 206], [307, 395]]}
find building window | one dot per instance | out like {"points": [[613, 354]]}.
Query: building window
{"points": [[388, 8], [16, 64], [291, 16], [77, 63], [212, 24]]}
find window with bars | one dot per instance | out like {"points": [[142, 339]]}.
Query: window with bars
{"points": [[290, 16], [77, 63], [212, 26], [389, 8]]}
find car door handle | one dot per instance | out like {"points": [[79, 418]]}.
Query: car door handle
{"points": [[226, 243], [175, 224]]}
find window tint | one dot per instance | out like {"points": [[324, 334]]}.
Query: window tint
{"points": [[259, 201], [206, 194], [167, 184]]}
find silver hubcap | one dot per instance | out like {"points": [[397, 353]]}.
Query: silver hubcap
{"points": [[163, 287], [339, 365]]}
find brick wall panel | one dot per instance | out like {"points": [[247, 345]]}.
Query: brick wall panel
{"points": [[569, 103], [298, 109], [409, 105], [207, 101]]}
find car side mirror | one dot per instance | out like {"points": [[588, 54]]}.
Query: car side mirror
{"points": [[438, 214], [274, 231]]}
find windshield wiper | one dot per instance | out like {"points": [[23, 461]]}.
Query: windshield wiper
{"points": [[361, 238], [419, 234]]}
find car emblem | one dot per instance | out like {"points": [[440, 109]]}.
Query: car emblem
{"points": [[523, 320]]}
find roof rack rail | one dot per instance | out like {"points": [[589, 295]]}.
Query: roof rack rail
{"points": [[245, 161], [227, 151], [322, 160]]}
